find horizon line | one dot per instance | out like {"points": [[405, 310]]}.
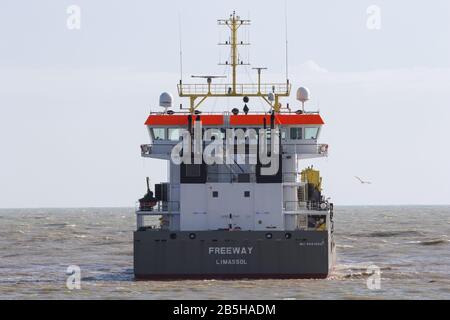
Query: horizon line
{"points": [[131, 207]]}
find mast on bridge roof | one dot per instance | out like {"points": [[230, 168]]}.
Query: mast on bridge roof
{"points": [[234, 89]]}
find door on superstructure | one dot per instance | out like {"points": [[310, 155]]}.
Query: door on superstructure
{"points": [[230, 206]]}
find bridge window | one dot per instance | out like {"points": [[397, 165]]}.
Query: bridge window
{"points": [[174, 134], [311, 133], [159, 133], [296, 133]]}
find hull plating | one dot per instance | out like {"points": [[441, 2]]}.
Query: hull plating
{"points": [[232, 255]]}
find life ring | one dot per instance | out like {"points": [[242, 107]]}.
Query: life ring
{"points": [[324, 148]]}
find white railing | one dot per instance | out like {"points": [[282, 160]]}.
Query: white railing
{"points": [[316, 216], [294, 148], [300, 206], [309, 222], [226, 89], [305, 148], [163, 209]]}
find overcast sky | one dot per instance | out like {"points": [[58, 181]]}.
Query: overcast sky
{"points": [[73, 102]]}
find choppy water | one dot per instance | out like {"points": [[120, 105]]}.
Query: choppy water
{"points": [[411, 245]]}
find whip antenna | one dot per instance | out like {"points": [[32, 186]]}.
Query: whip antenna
{"points": [[181, 47], [286, 31]]}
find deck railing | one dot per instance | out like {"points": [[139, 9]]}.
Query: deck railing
{"points": [[298, 206], [226, 89], [161, 208], [296, 148]]}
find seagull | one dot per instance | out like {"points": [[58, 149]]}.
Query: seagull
{"points": [[362, 181]]}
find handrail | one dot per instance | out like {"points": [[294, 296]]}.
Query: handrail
{"points": [[161, 208], [317, 148], [293, 206], [174, 142], [185, 112], [226, 89]]}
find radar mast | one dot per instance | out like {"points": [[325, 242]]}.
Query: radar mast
{"points": [[234, 89]]}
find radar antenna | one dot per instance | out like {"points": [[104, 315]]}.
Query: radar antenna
{"points": [[208, 80]]}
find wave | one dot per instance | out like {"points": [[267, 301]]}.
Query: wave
{"points": [[434, 242], [391, 233], [362, 271], [60, 225], [431, 241], [344, 246]]}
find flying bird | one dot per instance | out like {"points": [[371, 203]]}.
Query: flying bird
{"points": [[362, 181]]}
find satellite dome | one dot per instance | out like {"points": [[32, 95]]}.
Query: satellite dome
{"points": [[302, 94], [165, 100]]}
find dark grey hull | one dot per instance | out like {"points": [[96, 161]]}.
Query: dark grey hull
{"points": [[162, 255]]}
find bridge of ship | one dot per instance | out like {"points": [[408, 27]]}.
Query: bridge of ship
{"points": [[299, 132]]}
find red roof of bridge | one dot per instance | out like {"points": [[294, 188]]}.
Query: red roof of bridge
{"points": [[235, 120], [282, 119]]}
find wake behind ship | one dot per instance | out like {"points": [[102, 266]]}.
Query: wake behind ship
{"points": [[237, 204]]}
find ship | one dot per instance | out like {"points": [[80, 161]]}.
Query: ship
{"points": [[237, 203]]}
